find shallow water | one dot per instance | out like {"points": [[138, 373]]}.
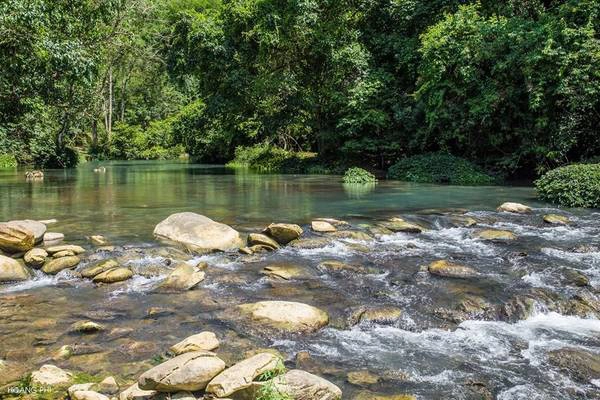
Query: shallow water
{"points": [[434, 350]]}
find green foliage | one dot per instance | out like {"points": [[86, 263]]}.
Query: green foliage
{"points": [[7, 161], [576, 185], [439, 168], [269, 390], [268, 158], [358, 175], [272, 373]]}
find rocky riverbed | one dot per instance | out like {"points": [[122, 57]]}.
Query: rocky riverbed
{"points": [[458, 303]]}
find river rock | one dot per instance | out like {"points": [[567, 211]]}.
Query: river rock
{"points": [[56, 265], [64, 253], [99, 267], [259, 238], [50, 375], [575, 278], [301, 385], [183, 277], [260, 248], [53, 238], [336, 266], [190, 371], [376, 396], [108, 385], [451, 270], [377, 315], [583, 366], [198, 233], [15, 239], [65, 247], [516, 208], [205, 341], [355, 235], [98, 240], [555, 219], [241, 375], [494, 234], [283, 233], [87, 327], [283, 271], [12, 270], [460, 220], [362, 378], [37, 228], [35, 258], [79, 387], [287, 315], [400, 225], [87, 395], [322, 226], [134, 392], [113, 275]]}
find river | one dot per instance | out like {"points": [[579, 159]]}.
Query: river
{"points": [[493, 335]]}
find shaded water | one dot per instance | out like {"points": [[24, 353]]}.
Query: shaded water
{"points": [[440, 347]]}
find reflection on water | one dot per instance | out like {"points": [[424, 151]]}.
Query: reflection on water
{"points": [[131, 197]]}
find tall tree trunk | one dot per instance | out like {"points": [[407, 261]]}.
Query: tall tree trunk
{"points": [[110, 104], [94, 133]]}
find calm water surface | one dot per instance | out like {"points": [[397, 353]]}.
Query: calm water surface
{"points": [[489, 337]]}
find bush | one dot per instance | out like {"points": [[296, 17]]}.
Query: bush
{"points": [[575, 185], [268, 158], [439, 168], [358, 175], [7, 161]]}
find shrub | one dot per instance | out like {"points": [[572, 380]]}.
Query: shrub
{"points": [[7, 161], [439, 168], [358, 175], [575, 185], [268, 158]]}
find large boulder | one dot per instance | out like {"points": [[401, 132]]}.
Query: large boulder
{"points": [[12, 270], [198, 233], [56, 265], [203, 341], [516, 208], [581, 365], [241, 375], [190, 371], [183, 277], [286, 315], [50, 375], [37, 228], [301, 385], [451, 270], [15, 239], [283, 233], [35, 258]]}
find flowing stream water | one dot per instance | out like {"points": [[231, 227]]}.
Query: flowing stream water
{"points": [[497, 335]]}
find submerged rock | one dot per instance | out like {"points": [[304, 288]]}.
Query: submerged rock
{"points": [[301, 385], [183, 277], [50, 375], [583, 366], [198, 233], [35, 258], [336, 266], [260, 239], [322, 226], [56, 265], [53, 238], [284, 233], [241, 375], [450, 270], [205, 341], [87, 327], [15, 239], [575, 278], [310, 243], [12, 270], [494, 234], [377, 315], [190, 371], [98, 240], [287, 315], [556, 219], [355, 235], [283, 271], [517, 208], [362, 378], [113, 275]]}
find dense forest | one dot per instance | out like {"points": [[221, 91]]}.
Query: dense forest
{"points": [[513, 85]]}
